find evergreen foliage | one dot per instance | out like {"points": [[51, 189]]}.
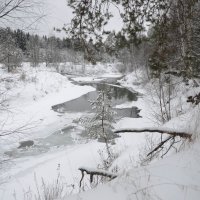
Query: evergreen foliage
{"points": [[10, 55], [174, 38], [99, 126]]}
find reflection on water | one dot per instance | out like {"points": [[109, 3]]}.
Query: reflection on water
{"points": [[68, 135], [119, 96]]}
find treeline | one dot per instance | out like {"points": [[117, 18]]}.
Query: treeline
{"points": [[170, 45], [17, 46]]}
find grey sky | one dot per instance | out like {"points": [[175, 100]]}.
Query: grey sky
{"points": [[58, 14]]}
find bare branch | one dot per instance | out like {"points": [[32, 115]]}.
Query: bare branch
{"points": [[19, 130], [24, 12], [160, 145], [10, 6]]}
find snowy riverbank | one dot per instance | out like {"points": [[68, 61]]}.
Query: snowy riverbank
{"points": [[30, 94], [21, 171], [174, 177]]}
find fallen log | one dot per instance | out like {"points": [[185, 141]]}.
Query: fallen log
{"points": [[93, 172], [157, 130]]}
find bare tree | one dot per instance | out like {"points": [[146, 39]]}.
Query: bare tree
{"points": [[25, 12], [11, 13]]}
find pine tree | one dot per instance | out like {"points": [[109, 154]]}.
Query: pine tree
{"points": [[100, 125], [10, 55], [33, 49]]}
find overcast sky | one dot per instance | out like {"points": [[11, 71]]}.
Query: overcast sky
{"points": [[57, 13]]}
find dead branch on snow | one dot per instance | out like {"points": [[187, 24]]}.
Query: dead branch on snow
{"points": [[93, 172]]}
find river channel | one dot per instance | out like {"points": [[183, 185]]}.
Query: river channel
{"points": [[81, 105]]}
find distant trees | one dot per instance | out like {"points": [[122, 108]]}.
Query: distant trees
{"points": [[16, 45], [10, 55], [172, 42], [131, 56], [51, 52], [21, 39], [33, 50]]}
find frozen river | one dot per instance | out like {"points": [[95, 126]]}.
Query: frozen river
{"points": [[73, 133]]}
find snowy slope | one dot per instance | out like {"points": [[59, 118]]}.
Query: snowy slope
{"points": [[177, 175]]}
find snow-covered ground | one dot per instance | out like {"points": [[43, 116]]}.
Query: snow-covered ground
{"points": [[175, 177], [30, 95], [96, 78], [100, 69]]}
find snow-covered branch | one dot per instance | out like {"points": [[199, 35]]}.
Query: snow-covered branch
{"points": [[157, 130], [93, 172]]}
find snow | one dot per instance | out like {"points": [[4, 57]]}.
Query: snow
{"points": [[69, 158], [174, 177], [100, 69], [39, 89], [43, 88], [96, 78], [45, 166], [94, 170], [88, 79]]}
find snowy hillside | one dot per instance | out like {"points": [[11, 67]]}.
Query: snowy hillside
{"points": [[175, 176]]}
